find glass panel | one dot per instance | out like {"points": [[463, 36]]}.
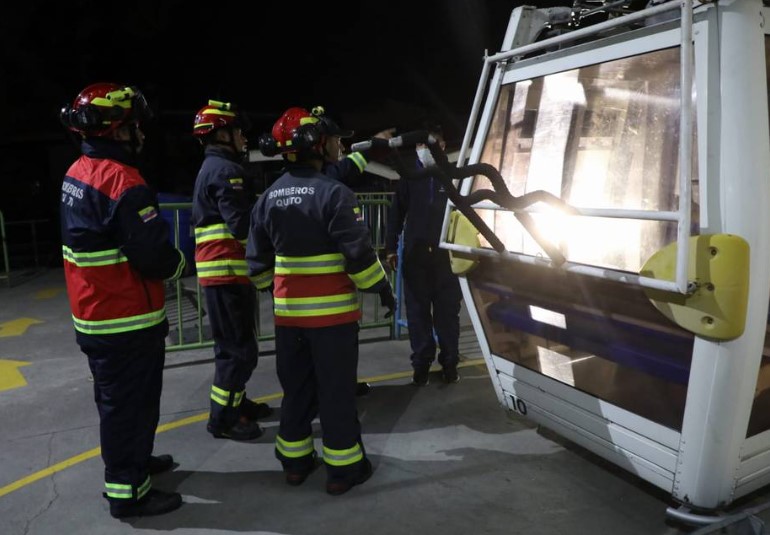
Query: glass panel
{"points": [[760, 411], [602, 136]]}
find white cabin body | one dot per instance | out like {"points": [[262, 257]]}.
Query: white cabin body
{"points": [[597, 119]]}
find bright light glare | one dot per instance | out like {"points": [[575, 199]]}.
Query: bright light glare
{"points": [[565, 88], [556, 365], [591, 240], [543, 315]]}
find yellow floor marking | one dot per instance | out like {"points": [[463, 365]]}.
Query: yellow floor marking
{"points": [[16, 327], [58, 467], [48, 293], [10, 376], [90, 454]]}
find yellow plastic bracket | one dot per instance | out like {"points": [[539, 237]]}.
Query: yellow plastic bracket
{"points": [[719, 267], [462, 232]]}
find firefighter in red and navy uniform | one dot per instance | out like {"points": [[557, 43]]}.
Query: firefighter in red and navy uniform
{"points": [[117, 254], [222, 203], [309, 240]]}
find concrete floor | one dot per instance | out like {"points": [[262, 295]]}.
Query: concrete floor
{"points": [[447, 458]]}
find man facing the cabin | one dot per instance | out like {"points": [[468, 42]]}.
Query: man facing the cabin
{"points": [[431, 291]]}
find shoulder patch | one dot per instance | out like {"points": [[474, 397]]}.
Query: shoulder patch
{"points": [[148, 214]]}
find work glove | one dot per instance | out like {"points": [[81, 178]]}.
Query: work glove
{"points": [[392, 260], [388, 300]]}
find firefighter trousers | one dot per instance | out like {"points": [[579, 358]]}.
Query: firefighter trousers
{"points": [[317, 371], [432, 296], [128, 379], [231, 315]]}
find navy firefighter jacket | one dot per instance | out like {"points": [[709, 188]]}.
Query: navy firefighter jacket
{"points": [[115, 246], [308, 237], [421, 202], [222, 203]]}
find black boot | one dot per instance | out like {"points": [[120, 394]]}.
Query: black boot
{"points": [[421, 376], [255, 411], [337, 487], [243, 429], [450, 374], [297, 477], [155, 502]]}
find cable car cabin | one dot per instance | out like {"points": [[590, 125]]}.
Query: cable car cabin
{"points": [[646, 342]]}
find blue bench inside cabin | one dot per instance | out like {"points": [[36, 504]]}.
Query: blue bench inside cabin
{"points": [[662, 354]]}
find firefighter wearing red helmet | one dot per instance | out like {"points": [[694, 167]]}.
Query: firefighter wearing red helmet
{"points": [[345, 168], [117, 254], [309, 239], [323, 141], [222, 201]]}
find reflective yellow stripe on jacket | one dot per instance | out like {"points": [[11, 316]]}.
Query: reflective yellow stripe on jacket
{"points": [[369, 277], [213, 232], [358, 159], [222, 268], [108, 257], [310, 265], [328, 263], [119, 325], [322, 305], [93, 258], [314, 291], [224, 264], [263, 280]]}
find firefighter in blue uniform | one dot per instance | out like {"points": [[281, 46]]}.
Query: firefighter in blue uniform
{"points": [[309, 241], [222, 202], [431, 291], [117, 254]]}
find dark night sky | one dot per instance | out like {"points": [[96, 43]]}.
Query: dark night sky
{"points": [[266, 56], [371, 64]]}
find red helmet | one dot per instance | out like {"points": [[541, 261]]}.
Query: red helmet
{"points": [[298, 129], [103, 107], [217, 115], [287, 126]]}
